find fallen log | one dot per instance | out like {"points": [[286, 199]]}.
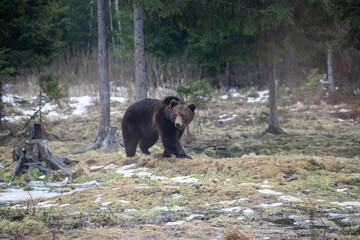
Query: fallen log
{"points": [[37, 154]]}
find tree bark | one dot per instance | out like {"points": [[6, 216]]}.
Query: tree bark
{"points": [[37, 131], [111, 27], [90, 28], [273, 116], [106, 138], [104, 89], [139, 48], [1, 105], [227, 77], [117, 9], [330, 70]]}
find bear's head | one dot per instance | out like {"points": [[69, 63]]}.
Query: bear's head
{"points": [[180, 113]]}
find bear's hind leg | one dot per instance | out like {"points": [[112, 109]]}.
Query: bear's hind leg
{"points": [[147, 143], [130, 141]]}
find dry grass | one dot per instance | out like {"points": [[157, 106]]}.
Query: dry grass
{"points": [[316, 157]]}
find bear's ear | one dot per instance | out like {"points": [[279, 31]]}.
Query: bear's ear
{"points": [[174, 102], [192, 107], [167, 100]]}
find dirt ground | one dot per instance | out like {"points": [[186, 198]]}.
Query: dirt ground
{"points": [[300, 185]]}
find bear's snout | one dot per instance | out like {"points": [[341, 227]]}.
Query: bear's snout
{"points": [[178, 122]]}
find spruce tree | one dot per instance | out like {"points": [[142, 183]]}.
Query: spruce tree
{"points": [[29, 37]]}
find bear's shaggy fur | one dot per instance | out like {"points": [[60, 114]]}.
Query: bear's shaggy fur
{"points": [[146, 120]]}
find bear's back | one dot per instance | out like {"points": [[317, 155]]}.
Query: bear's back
{"points": [[142, 111]]}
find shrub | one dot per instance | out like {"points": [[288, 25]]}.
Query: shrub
{"points": [[198, 92]]}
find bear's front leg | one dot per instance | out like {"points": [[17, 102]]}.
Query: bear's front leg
{"points": [[173, 146], [167, 153]]}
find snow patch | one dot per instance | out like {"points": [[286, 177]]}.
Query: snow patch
{"points": [[42, 190], [248, 212], [185, 179], [263, 97], [118, 99], [175, 223], [80, 104], [105, 204], [165, 208], [290, 198], [93, 168], [227, 202], [266, 205], [224, 97], [346, 204], [110, 166], [268, 191], [227, 119], [343, 110], [231, 209], [341, 190]]}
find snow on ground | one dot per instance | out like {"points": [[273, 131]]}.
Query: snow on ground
{"points": [[290, 198], [232, 209], [346, 204], [263, 97], [267, 205], [268, 191], [222, 119], [78, 104], [42, 190]]}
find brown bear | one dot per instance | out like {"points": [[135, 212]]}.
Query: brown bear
{"points": [[146, 120]]}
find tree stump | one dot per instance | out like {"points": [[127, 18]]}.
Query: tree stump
{"points": [[38, 154], [37, 131]]}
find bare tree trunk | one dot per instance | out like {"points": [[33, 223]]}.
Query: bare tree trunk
{"points": [[330, 70], [178, 74], [106, 138], [227, 77], [274, 120], [139, 47], [90, 28], [104, 89], [117, 9], [40, 104], [273, 117], [111, 27], [1, 105]]}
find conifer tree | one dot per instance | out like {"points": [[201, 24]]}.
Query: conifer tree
{"points": [[29, 37]]}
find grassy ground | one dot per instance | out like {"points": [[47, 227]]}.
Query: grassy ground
{"points": [[233, 166]]}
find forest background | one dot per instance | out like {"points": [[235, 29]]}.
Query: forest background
{"points": [[225, 44]]}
